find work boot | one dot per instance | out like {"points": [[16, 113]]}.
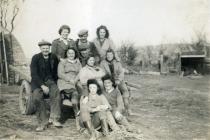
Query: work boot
{"points": [[104, 127], [55, 122], [90, 129], [123, 121], [41, 128]]}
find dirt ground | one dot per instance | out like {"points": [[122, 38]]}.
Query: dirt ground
{"points": [[166, 108]]}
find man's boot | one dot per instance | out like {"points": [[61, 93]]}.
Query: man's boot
{"points": [[104, 127], [90, 129]]}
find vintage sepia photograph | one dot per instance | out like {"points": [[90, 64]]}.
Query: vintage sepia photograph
{"points": [[104, 70]]}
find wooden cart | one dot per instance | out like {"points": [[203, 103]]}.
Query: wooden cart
{"points": [[26, 104]]}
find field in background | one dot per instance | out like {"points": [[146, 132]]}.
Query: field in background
{"points": [[166, 108]]}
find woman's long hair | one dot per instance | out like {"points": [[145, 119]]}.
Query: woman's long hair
{"points": [[106, 30], [94, 81]]}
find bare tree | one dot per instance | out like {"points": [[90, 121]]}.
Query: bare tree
{"points": [[128, 53], [9, 10]]}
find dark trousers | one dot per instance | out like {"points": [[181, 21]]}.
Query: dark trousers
{"points": [[40, 103]]}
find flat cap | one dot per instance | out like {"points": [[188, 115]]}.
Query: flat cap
{"points": [[82, 32], [44, 42]]}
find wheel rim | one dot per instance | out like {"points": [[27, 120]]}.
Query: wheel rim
{"points": [[24, 96]]}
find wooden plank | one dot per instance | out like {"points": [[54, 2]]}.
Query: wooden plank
{"points": [[193, 56], [132, 85]]}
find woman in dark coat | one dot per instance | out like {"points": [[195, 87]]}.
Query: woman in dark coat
{"points": [[62, 44]]}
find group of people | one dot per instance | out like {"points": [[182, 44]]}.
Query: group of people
{"points": [[90, 73]]}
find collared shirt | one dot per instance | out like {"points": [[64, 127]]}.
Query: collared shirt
{"points": [[65, 41]]}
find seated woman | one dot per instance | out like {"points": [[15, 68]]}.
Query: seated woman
{"points": [[93, 108], [115, 70], [89, 71], [68, 70], [115, 99]]}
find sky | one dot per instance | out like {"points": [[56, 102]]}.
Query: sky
{"points": [[143, 22]]}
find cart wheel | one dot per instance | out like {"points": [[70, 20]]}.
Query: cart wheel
{"points": [[25, 99]]}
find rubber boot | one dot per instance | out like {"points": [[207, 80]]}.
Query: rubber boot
{"points": [[90, 129], [111, 122], [104, 127], [127, 107], [123, 121]]}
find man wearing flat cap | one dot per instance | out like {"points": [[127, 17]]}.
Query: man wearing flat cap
{"points": [[85, 47], [43, 83]]}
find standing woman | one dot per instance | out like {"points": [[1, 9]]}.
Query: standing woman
{"points": [[62, 44], [103, 42]]}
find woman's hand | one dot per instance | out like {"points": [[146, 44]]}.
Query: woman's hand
{"points": [[118, 115], [85, 100], [102, 107], [45, 89]]}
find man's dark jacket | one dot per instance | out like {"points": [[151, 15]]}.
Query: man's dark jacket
{"points": [[38, 68]]}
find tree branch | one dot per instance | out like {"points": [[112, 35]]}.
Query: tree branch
{"points": [[2, 13], [15, 12], [5, 18]]}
